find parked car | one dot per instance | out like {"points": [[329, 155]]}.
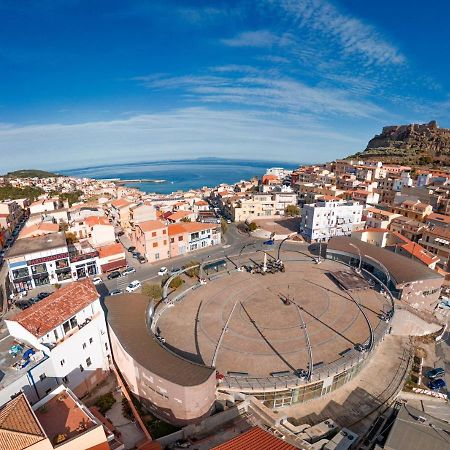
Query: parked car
{"points": [[43, 295], [436, 385], [228, 221], [131, 249], [162, 271], [437, 372], [128, 271], [136, 255], [115, 292], [142, 259], [133, 286], [98, 280], [174, 271], [23, 304], [114, 274]]}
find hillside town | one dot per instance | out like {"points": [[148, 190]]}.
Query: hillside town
{"points": [[62, 256]]}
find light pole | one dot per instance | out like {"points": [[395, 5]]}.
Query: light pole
{"points": [[386, 272], [360, 256]]}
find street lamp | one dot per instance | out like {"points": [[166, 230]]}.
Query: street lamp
{"points": [[360, 256]]}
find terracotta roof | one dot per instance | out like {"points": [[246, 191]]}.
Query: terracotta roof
{"points": [[19, 427], [64, 416], [201, 203], [372, 230], [150, 225], [38, 229], [189, 227], [255, 438], [419, 253], [438, 231], [439, 217], [110, 250], [64, 303], [178, 215], [120, 203], [96, 220]]}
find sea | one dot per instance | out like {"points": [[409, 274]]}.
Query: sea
{"points": [[180, 175]]}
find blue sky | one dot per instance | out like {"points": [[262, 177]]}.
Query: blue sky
{"points": [[92, 82]]}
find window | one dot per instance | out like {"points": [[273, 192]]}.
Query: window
{"points": [[180, 238], [154, 234], [81, 368], [66, 326], [62, 362], [91, 340], [156, 255], [172, 240], [106, 346], [165, 242], [164, 231], [73, 322], [88, 362], [84, 345], [155, 244], [42, 376]]}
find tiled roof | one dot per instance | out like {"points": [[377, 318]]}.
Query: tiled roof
{"points": [[120, 203], [44, 316], [96, 220], [189, 227], [151, 225], [439, 217], [19, 427], [256, 439], [39, 229], [179, 215], [110, 250]]}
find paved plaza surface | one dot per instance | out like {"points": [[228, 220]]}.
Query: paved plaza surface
{"points": [[264, 335]]}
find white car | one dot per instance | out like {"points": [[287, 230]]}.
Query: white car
{"points": [[133, 286], [162, 271], [97, 280], [128, 271]]}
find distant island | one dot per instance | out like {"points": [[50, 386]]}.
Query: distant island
{"points": [[31, 173]]}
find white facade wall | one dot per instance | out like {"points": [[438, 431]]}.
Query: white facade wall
{"points": [[324, 220], [68, 352]]}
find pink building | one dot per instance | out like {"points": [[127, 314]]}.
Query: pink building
{"points": [[173, 388], [189, 236], [151, 239]]}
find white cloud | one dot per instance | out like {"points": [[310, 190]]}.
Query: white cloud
{"points": [[183, 133], [260, 38], [353, 36]]}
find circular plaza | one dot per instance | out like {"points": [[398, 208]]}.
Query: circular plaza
{"points": [[284, 337]]}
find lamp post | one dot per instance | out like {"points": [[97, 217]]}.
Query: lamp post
{"points": [[360, 256]]}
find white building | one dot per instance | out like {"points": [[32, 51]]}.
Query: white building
{"points": [[67, 333], [328, 218]]}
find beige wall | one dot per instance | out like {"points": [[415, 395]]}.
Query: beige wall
{"points": [[173, 403]]}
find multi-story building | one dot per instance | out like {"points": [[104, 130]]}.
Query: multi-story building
{"points": [[190, 236], [97, 229], [10, 215], [410, 228], [328, 218], [120, 213], [437, 241], [48, 259], [60, 420], [151, 238], [141, 213], [65, 340], [413, 210], [379, 218]]}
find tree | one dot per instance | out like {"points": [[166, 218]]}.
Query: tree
{"points": [[252, 226], [292, 210], [153, 291], [176, 283], [223, 225], [194, 272], [71, 237]]}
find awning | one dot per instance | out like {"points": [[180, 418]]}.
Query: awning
{"points": [[114, 265]]}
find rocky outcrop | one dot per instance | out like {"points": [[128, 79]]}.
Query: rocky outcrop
{"points": [[412, 144]]}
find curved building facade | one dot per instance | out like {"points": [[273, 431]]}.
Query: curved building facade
{"points": [[173, 388]]}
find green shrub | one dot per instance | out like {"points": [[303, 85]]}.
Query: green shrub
{"points": [[176, 283], [105, 402]]}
